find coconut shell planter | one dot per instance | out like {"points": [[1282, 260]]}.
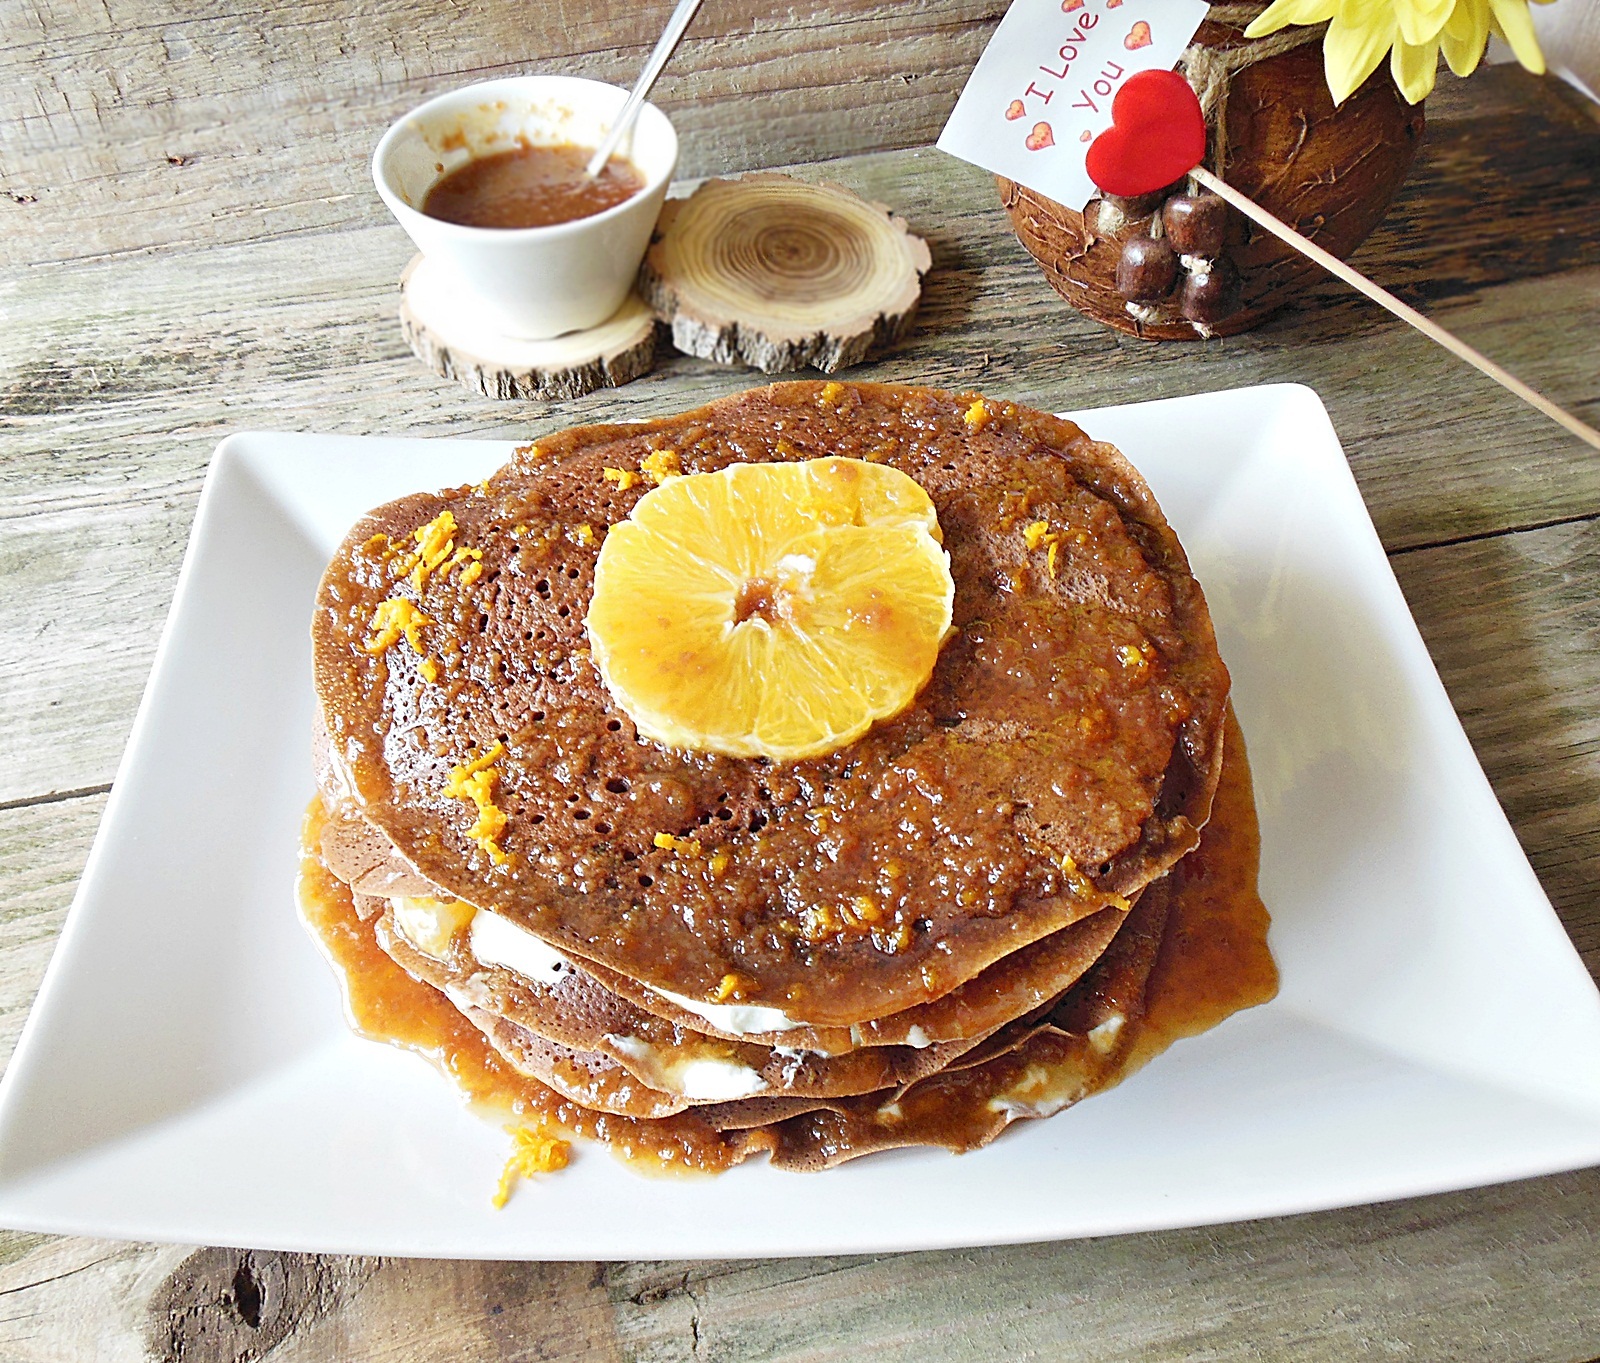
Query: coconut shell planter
{"points": [[1180, 264]]}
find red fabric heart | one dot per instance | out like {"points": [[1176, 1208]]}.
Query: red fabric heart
{"points": [[1157, 134]]}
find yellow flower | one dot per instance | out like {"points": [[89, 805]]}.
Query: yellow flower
{"points": [[1411, 32]]}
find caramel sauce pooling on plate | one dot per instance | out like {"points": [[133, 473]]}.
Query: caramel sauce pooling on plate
{"points": [[530, 186]]}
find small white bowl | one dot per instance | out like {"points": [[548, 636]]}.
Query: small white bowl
{"points": [[530, 282]]}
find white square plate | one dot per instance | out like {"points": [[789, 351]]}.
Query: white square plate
{"points": [[186, 1074]]}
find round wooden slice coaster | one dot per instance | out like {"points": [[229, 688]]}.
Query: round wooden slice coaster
{"points": [[454, 340], [780, 274]]}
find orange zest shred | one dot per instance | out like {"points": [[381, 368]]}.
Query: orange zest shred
{"points": [[863, 909], [831, 393], [1037, 533], [721, 859], [659, 465], [394, 618], [581, 534], [978, 416], [534, 1150], [727, 987], [435, 543], [475, 782], [623, 478], [686, 847], [1082, 887], [470, 561], [861, 916]]}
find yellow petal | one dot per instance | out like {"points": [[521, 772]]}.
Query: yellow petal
{"points": [[1414, 66], [1465, 35], [1361, 33], [1282, 13], [1421, 20], [1513, 23]]}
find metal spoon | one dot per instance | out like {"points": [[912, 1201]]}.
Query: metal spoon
{"points": [[671, 36]]}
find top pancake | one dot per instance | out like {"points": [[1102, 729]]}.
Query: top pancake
{"points": [[1074, 714]]}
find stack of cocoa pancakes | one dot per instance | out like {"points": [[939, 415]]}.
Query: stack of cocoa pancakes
{"points": [[645, 918]]}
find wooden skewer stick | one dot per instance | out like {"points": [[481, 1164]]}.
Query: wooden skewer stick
{"points": [[1383, 298]]}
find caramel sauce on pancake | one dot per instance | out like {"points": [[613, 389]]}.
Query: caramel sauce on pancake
{"points": [[1072, 721], [1193, 952], [1214, 960]]}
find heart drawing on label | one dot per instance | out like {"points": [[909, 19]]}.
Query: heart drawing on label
{"points": [[1113, 4], [1067, 6], [1157, 135], [1014, 110], [1138, 36], [1085, 135], [1040, 138]]}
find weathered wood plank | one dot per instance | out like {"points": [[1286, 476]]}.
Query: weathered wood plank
{"points": [[42, 851], [136, 126], [131, 129], [106, 1302], [1481, 207], [219, 1305], [1513, 623], [1491, 1274], [1496, 1274], [64, 1299]]}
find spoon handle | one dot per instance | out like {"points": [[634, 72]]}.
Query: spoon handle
{"points": [[665, 46]]}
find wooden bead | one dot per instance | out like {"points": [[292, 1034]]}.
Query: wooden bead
{"points": [[1209, 297], [1147, 270], [1197, 224], [1143, 205]]}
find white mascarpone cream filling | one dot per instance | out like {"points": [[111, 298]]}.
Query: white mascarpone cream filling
{"points": [[1104, 1037], [708, 1078], [740, 1019], [498, 941], [428, 924], [1039, 1092], [915, 1037]]}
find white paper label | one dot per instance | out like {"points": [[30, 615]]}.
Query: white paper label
{"points": [[1042, 89]]}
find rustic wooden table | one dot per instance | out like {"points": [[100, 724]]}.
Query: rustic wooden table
{"points": [[189, 244]]}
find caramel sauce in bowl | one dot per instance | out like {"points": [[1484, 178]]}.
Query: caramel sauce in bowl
{"points": [[529, 186], [559, 272]]}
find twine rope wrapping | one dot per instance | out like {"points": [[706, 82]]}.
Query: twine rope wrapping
{"points": [[1210, 70]]}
